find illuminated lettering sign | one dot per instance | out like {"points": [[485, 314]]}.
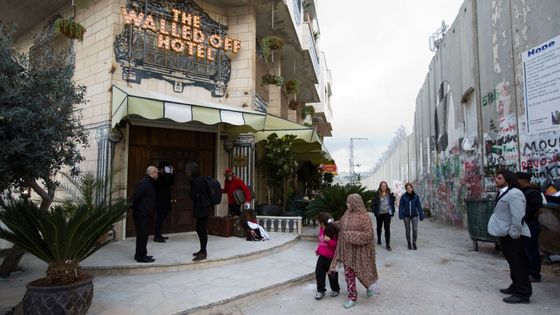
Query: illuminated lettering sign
{"points": [[182, 34], [174, 41]]}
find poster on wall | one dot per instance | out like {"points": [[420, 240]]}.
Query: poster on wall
{"points": [[541, 81]]}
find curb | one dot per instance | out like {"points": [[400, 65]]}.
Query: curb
{"points": [[226, 306]]}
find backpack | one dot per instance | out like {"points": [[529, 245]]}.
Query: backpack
{"points": [[214, 190]]}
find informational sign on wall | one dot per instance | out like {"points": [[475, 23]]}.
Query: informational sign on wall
{"points": [[541, 75]]}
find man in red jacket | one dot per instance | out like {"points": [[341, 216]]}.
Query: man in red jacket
{"points": [[232, 184]]}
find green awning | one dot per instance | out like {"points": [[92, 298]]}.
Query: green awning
{"points": [[152, 105], [307, 145]]}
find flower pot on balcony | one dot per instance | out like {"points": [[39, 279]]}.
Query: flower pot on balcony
{"points": [[292, 86], [270, 79], [70, 28], [294, 105], [270, 43]]}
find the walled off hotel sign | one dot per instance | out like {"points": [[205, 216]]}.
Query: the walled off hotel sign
{"points": [[176, 42]]}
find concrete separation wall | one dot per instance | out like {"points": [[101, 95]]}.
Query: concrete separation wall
{"points": [[470, 113]]}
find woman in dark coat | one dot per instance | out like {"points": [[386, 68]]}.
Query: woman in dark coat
{"points": [[383, 207], [202, 208], [410, 210]]}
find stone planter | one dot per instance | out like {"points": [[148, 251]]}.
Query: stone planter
{"points": [[72, 299]]}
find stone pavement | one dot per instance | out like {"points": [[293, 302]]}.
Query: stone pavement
{"points": [[444, 276]]}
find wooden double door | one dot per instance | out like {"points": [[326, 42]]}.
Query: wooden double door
{"points": [[148, 146]]}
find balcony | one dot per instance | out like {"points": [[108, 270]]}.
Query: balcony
{"points": [[28, 13], [323, 112], [285, 19], [309, 45]]}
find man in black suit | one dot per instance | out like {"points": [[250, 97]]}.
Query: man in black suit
{"points": [[165, 180], [143, 202], [534, 204]]}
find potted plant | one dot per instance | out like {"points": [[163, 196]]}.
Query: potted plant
{"points": [[270, 43], [62, 236], [307, 110], [292, 86], [70, 28], [278, 165], [270, 79], [295, 104]]}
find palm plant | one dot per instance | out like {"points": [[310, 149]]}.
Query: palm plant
{"points": [[67, 233], [333, 200]]}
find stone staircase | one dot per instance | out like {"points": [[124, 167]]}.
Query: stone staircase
{"points": [[236, 271]]}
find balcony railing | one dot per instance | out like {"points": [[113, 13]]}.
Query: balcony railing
{"points": [[309, 42], [260, 104], [297, 11], [280, 224]]}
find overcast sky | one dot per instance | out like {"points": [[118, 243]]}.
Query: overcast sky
{"points": [[378, 53]]}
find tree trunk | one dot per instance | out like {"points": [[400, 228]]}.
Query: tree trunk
{"points": [[11, 261]]}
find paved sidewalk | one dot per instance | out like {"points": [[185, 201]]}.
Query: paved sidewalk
{"points": [[444, 276]]}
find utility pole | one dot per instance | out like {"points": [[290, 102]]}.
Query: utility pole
{"points": [[353, 175]]}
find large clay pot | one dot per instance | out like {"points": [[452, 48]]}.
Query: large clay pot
{"points": [[68, 299]]}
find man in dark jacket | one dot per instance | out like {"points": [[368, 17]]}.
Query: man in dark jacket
{"points": [[534, 204], [165, 180], [144, 201]]}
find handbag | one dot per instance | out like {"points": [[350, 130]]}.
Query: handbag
{"points": [[239, 196]]}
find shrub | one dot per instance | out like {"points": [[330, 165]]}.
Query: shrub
{"points": [[333, 200]]}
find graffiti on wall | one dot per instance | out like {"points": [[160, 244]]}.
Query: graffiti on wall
{"points": [[472, 177], [500, 141], [541, 157]]}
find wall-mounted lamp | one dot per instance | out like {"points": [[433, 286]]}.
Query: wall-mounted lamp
{"points": [[228, 145], [115, 135]]}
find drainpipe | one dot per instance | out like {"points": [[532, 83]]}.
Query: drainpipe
{"points": [[478, 88], [515, 85]]}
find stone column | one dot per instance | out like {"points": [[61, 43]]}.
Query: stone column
{"points": [[242, 159]]}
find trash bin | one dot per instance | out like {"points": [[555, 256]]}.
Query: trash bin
{"points": [[478, 215], [549, 239]]}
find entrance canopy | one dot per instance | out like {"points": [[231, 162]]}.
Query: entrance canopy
{"points": [[131, 102], [152, 105], [307, 144]]}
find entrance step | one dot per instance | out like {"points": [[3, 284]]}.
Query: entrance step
{"points": [[176, 254]]}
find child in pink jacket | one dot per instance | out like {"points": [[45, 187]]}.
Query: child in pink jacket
{"points": [[328, 235]]}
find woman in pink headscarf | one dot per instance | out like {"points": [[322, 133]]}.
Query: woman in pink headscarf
{"points": [[356, 250]]}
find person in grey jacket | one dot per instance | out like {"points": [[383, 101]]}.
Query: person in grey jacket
{"points": [[507, 223]]}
